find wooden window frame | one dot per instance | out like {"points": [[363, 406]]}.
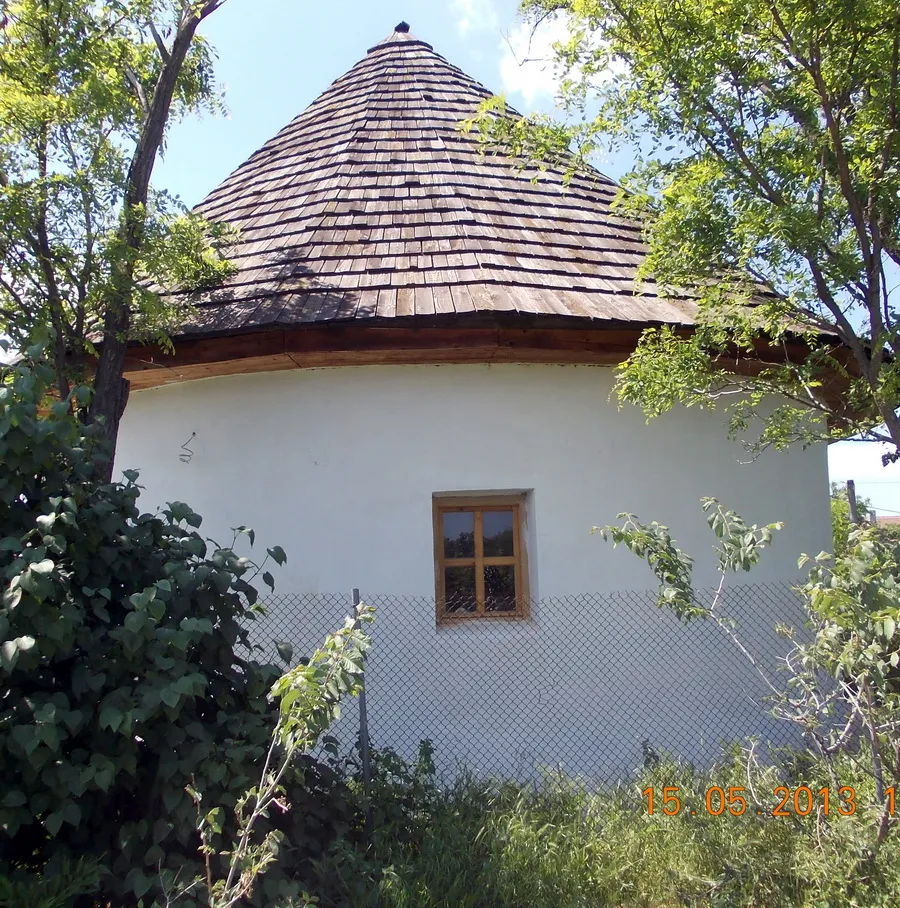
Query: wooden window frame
{"points": [[519, 560]]}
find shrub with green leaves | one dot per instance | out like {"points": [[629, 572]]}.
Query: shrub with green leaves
{"points": [[842, 688], [125, 670], [68, 881], [309, 697]]}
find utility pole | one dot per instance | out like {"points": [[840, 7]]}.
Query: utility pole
{"points": [[851, 499]]}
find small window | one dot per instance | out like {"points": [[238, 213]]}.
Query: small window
{"points": [[480, 565]]}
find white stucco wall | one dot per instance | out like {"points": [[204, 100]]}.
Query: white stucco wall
{"points": [[339, 466]]}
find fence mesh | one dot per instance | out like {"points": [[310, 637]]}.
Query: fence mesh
{"points": [[584, 686]]}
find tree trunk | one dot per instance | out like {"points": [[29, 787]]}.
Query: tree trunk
{"points": [[110, 388], [110, 398]]}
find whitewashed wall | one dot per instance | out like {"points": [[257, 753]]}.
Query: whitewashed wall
{"points": [[339, 465]]}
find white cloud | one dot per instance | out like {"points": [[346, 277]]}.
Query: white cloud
{"points": [[527, 64], [528, 61], [475, 15]]}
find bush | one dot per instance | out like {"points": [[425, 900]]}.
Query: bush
{"points": [[69, 882], [123, 680]]}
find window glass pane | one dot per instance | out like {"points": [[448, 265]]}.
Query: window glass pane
{"points": [[459, 534], [459, 589], [498, 533], [500, 588]]}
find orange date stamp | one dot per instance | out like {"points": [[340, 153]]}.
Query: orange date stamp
{"points": [[800, 801]]}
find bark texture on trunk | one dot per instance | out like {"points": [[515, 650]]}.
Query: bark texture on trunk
{"points": [[110, 388]]}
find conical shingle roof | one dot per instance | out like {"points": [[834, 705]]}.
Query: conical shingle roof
{"points": [[373, 204]]}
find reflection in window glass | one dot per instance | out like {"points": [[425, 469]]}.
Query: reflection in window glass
{"points": [[498, 533], [459, 534], [500, 588], [460, 589]]}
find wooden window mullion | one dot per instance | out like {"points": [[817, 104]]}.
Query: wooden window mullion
{"points": [[479, 563], [517, 549]]}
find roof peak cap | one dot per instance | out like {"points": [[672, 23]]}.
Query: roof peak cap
{"points": [[400, 36]]}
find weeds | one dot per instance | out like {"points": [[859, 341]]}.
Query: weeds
{"points": [[562, 845]]}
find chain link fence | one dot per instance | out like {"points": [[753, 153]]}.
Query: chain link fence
{"points": [[587, 685]]}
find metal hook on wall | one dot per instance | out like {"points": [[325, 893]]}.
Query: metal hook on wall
{"points": [[188, 454]]}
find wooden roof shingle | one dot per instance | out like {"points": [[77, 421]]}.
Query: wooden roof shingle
{"points": [[372, 203]]}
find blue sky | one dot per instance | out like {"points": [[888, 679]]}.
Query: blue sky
{"points": [[276, 56]]}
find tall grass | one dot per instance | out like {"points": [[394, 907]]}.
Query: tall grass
{"points": [[561, 845]]}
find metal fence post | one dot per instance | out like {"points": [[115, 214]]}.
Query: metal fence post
{"points": [[363, 714]]}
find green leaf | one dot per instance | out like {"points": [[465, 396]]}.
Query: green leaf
{"points": [[161, 828], [72, 719], [142, 599], [277, 554], [9, 654], [12, 597], [45, 522], [135, 621], [46, 713], [141, 884], [49, 735], [155, 855], [171, 799], [246, 531], [111, 718], [42, 567], [285, 651], [71, 813], [103, 777], [26, 736], [14, 798], [214, 820]]}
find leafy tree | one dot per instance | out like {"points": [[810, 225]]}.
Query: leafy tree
{"points": [[87, 92], [842, 526], [125, 674], [841, 522], [843, 684], [768, 182]]}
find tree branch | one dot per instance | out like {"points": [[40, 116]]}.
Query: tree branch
{"points": [[110, 387], [160, 44], [138, 89]]}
